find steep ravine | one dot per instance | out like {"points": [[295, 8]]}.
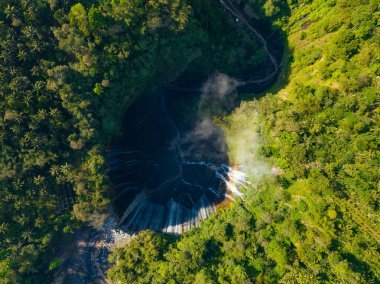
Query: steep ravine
{"points": [[174, 186], [169, 172]]}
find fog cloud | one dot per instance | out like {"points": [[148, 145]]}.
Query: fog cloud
{"points": [[219, 88], [207, 139], [204, 139], [245, 144]]}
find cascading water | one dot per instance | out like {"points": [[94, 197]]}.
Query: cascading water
{"points": [[166, 174], [169, 174]]}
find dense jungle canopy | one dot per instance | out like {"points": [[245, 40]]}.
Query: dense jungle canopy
{"points": [[69, 70]]}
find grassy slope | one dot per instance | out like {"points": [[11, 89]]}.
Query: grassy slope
{"points": [[321, 130]]}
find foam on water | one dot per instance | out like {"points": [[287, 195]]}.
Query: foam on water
{"points": [[189, 204], [168, 174]]}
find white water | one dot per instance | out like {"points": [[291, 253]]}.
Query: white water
{"points": [[178, 193], [172, 217]]}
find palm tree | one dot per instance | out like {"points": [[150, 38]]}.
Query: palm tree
{"points": [[27, 235], [36, 46], [4, 228], [10, 11], [29, 32], [22, 55], [28, 97], [38, 180]]}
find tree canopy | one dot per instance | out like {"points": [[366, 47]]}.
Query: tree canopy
{"points": [[315, 219], [68, 72]]}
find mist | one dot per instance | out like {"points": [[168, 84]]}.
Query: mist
{"points": [[205, 137], [219, 91], [243, 140], [241, 137]]}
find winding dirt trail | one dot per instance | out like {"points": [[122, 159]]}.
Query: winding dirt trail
{"points": [[235, 12], [231, 7]]}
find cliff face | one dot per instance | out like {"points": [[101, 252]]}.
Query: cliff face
{"points": [[68, 73], [312, 218]]}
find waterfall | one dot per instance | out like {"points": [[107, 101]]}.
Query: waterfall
{"points": [[179, 205], [173, 183]]}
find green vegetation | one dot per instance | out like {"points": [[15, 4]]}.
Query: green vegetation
{"points": [[60, 86], [316, 219], [68, 71]]}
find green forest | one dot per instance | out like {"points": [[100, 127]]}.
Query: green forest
{"points": [[69, 70]]}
